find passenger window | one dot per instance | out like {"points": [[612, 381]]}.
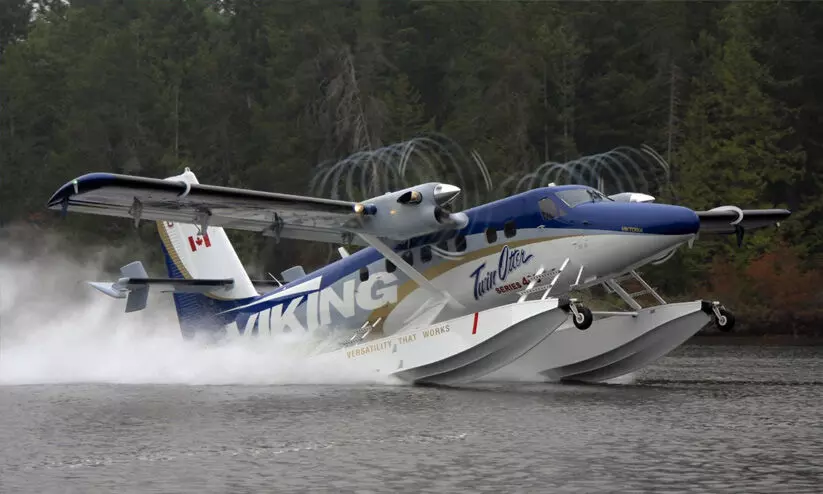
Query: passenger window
{"points": [[509, 230], [548, 209], [460, 243], [390, 267], [408, 257], [425, 253], [491, 235], [364, 274]]}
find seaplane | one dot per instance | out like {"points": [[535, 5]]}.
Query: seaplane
{"points": [[431, 295]]}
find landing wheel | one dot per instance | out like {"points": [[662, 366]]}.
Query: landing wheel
{"points": [[583, 318], [724, 320]]}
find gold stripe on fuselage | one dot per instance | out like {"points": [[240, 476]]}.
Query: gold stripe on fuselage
{"points": [[175, 257], [447, 265]]}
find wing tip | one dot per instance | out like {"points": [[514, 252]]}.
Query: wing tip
{"points": [[72, 187]]}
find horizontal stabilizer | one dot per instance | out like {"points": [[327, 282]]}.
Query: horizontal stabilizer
{"points": [[176, 285], [108, 288], [135, 289]]}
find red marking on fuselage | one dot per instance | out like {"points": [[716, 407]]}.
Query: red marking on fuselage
{"points": [[474, 327]]}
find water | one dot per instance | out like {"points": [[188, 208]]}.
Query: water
{"points": [[704, 419]]}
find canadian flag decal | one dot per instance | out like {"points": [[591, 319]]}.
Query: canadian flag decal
{"points": [[199, 241]]}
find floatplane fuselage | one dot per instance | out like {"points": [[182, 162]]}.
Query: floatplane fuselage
{"points": [[484, 265], [422, 264]]}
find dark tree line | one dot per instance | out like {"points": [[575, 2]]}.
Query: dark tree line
{"points": [[253, 93]]}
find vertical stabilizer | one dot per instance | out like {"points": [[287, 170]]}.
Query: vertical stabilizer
{"points": [[192, 254]]}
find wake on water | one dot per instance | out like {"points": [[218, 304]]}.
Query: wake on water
{"points": [[56, 329]]}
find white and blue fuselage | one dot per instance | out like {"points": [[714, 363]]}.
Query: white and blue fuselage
{"points": [[483, 265]]}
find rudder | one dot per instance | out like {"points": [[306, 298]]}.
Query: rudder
{"points": [[190, 255]]}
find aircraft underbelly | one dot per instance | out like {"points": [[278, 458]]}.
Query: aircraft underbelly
{"points": [[611, 255]]}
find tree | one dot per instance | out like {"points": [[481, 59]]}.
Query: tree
{"points": [[14, 21], [734, 130]]}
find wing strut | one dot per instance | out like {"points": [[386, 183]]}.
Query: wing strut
{"points": [[412, 273]]}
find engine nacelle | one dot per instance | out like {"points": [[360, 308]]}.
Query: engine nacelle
{"points": [[631, 197], [410, 212]]}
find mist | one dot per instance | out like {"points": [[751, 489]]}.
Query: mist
{"points": [[54, 328]]}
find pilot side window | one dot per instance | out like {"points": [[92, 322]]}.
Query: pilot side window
{"points": [[491, 235], [364, 274], [548, 209], [408, 257], [460, 243], [390, 267], [425, 253], [509, 229]]}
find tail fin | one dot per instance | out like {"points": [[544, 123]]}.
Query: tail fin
{"points": [[189, 255]]}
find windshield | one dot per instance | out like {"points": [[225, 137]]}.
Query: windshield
{"points": [[573, 197]]}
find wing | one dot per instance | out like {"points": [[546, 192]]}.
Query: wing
{"points": [[124, 196], [724, 219], [395, 216]]}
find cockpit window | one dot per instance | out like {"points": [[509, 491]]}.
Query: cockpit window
{"points": [[549, 209], [573, 197]]}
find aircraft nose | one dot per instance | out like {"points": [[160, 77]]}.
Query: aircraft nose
{"points": [[674, 220]]}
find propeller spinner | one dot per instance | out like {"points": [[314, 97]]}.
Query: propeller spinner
{"points": [[445, 193]]}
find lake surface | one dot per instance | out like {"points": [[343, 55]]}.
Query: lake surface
{"points": [[704, 419]]}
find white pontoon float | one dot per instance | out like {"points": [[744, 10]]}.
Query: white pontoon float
{"points": [[617, 343], [458, 350]]}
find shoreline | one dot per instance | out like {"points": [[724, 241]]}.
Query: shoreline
{"points": [[755, 340]]}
